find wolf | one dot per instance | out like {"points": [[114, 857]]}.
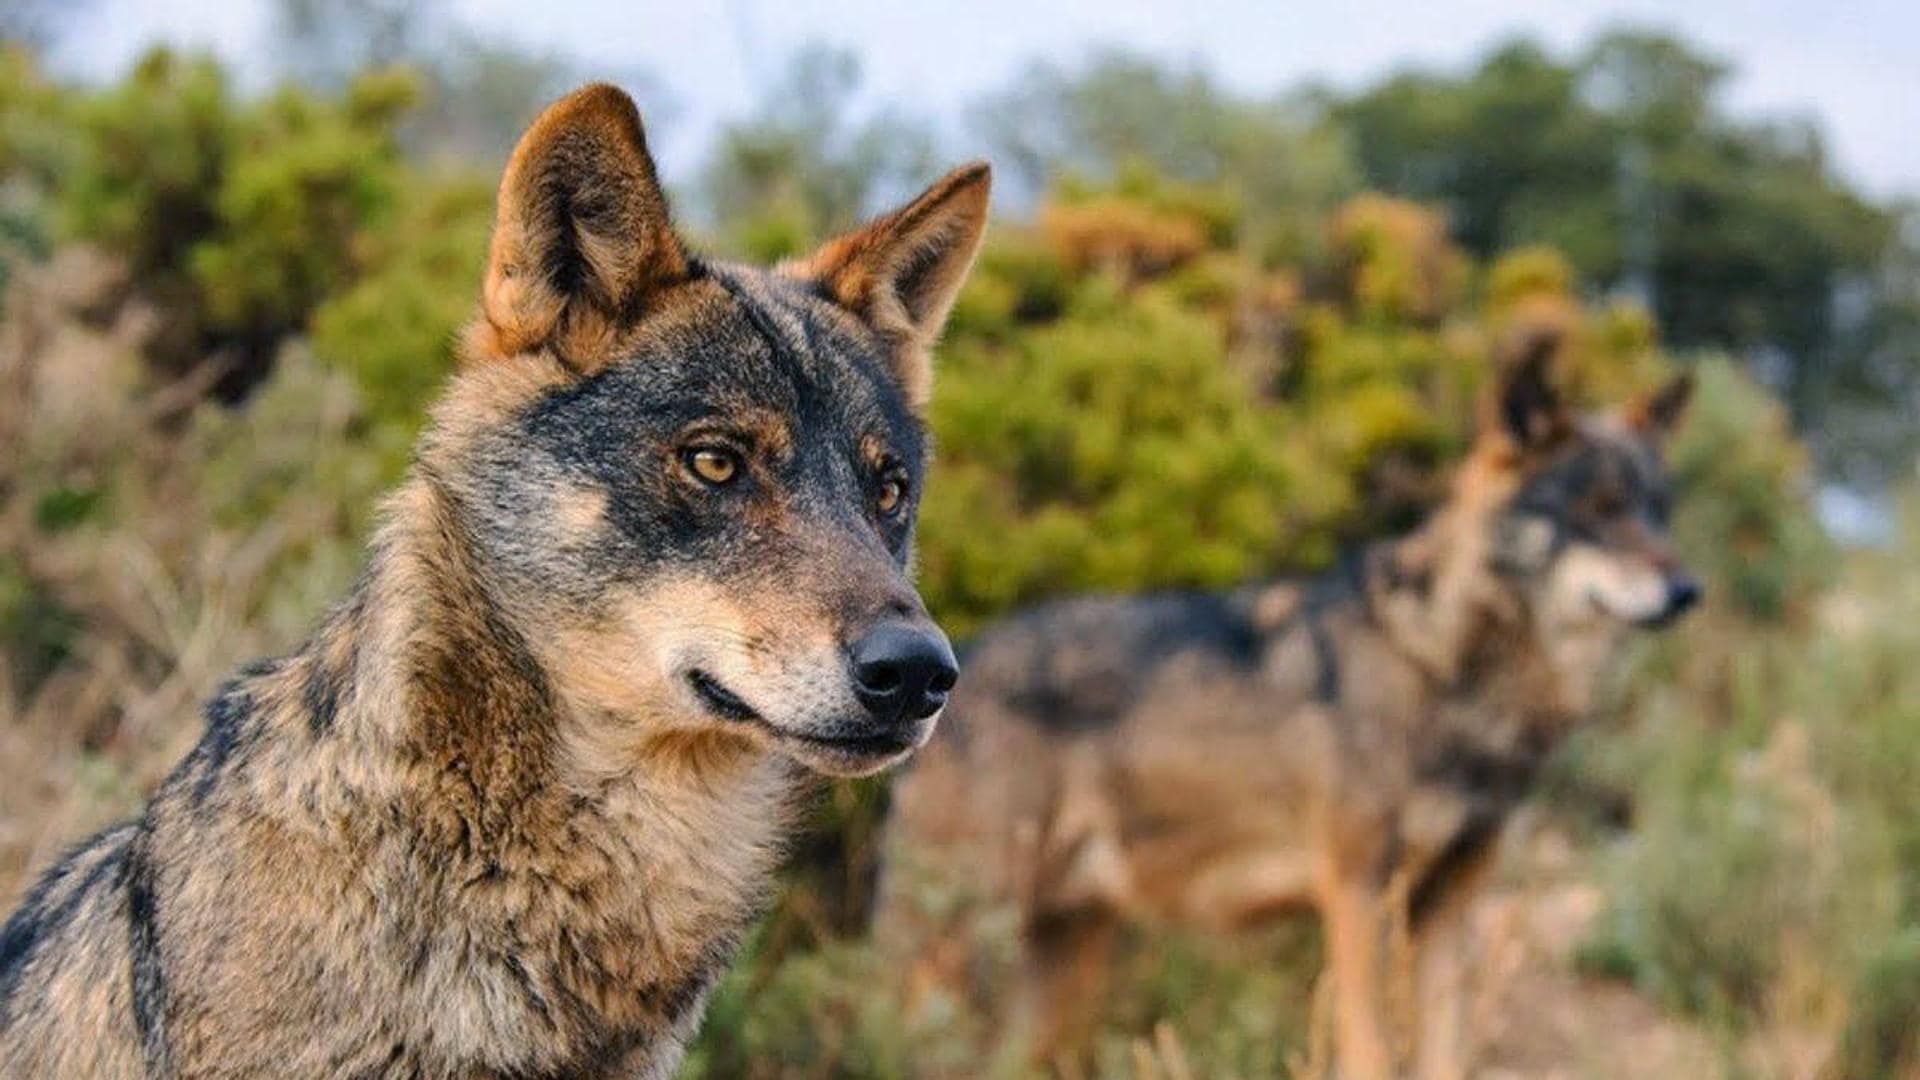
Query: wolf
{"points": [[1349, 745], [511, 808]]}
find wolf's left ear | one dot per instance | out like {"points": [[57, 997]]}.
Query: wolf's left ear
{"points": [[581, 239], [902, 272], [1658, 413], [1525, 407]]}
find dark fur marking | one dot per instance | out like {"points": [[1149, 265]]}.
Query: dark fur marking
{"points": [[229, 731], [524, 981], [1467, 845], [148, 972], [1337, 590], [35, 922], [257, 668], [1326, 657], [326, 685], [320, 696], [1568, 494], [565, 268], [910, 280], [1504, 775], [387, 1068], [1494, 780], [763, 325], [1156, 629], [671, 1000]]}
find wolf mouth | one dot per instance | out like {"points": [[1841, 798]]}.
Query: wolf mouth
{"points": [[725, 703], [721, 700], [852, 746]]}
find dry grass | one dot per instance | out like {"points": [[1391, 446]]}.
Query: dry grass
{"points": [[128, 589]]}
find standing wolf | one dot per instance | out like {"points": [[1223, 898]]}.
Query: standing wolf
{"points": [[1351, 744], [510, 810]]}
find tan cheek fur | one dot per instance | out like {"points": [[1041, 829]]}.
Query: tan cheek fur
{"points": [[580, 513], [1587, 582], [623, 672]]}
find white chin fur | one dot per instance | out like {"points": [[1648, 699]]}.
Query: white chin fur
{"points": [[1623, 588]]}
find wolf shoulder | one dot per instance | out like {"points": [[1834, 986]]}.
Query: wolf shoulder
{"points": [[66, 967]]}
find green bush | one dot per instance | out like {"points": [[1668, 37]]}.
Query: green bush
{"points": [[1745, 517], [1109, 449], [236, 217], [1882, 1036], [1773, 874], [394, 329]]}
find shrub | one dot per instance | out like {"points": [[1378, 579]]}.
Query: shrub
{"points": [[394, 329], [237, 218]]}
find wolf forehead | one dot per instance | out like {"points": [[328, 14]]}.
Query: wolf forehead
{"points": [[747, 354], [1604, 468]]}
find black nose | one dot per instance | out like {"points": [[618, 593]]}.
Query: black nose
{"points": [[902, 670], [1683, 592]]}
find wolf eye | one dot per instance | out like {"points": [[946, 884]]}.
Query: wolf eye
{"points": [[1609, 503], [892, 496], [715, 466]]}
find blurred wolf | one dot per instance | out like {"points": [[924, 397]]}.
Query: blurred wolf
{"points": [[510, 810], [1351, 745]]}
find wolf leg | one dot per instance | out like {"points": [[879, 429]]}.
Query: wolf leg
{"points": [[1443, 941], [1354, 915], [1067, 962], [1443, 1051]]}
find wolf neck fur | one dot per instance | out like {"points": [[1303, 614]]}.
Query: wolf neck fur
{"points": [[1438, 599]]}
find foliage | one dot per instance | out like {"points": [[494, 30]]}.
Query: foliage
{"points": [[394, 328], [235, 217], [478, 91], [1741, 236], [1122, 111], [1770, 881], [799, 168], [33, 155], [1746, 480]]}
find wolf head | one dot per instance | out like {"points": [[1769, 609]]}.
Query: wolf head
{"points": [[1581, 530], [691, 485]]}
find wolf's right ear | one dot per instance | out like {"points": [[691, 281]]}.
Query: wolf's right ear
{"points": [[902, 272], [581, 237], [1658, 413], [1525, 408]]}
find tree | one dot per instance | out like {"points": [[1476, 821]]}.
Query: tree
{"points": [[1739, 235], [1121, 110], [803, 165], [326, 43], [478, 91]]}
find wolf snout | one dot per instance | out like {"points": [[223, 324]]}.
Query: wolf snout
{"points": [[903, 670], [1684, 592]]}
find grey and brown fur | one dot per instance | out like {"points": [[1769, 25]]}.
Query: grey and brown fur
{"points": [[1350, 745], [510, 810]]}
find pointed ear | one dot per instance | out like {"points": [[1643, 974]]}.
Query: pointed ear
{"points": [[1658, 413], [581, 238], [902, 272], [1525, 407]]}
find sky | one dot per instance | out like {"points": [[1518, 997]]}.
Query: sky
{"points": [[1854, 65]]}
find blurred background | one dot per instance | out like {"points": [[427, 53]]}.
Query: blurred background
{"points": [[1249, 266]]}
